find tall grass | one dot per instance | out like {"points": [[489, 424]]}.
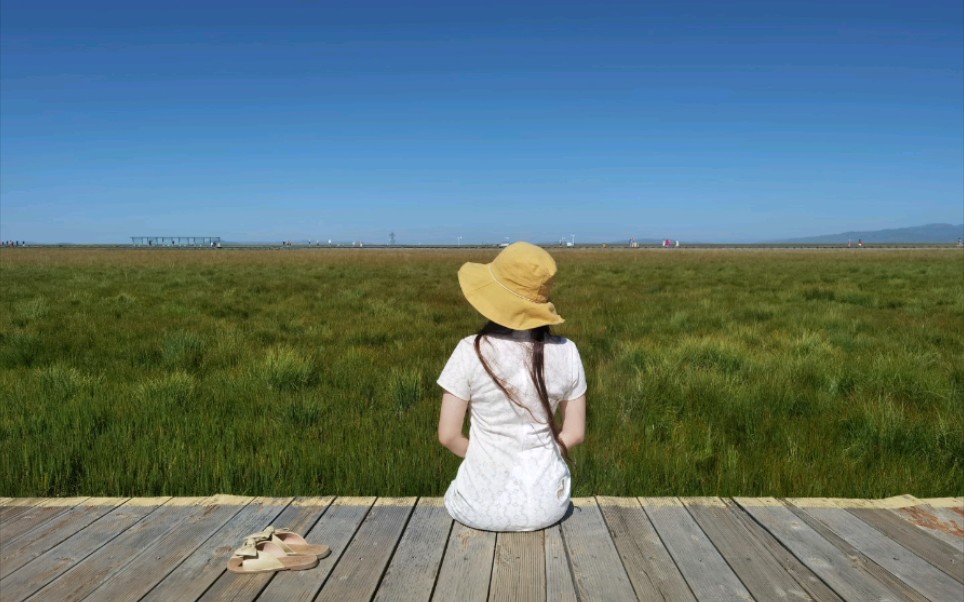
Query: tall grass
{"points": [[304, 372]]}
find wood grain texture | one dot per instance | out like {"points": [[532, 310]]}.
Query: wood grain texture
{"points": [[597, 570], [759, 572], [924, 517], [357, 577], [335, 529], [930, 548], [231, 586], [466, 567], [846, 575], [43, 569], [706, 572], [411, 574], [807, 579], [161, 549], [15, 507], [29, 523], [161, 557], [14, 555], [898, 560], [889, 580], [93, 562], [519, 568], [650, 567], [196, 573], [559, 584]]}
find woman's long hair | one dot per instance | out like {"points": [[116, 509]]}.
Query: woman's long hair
{"points": [[537, 370]]}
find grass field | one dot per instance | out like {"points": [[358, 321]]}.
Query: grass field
{"points": [[297, 372]]}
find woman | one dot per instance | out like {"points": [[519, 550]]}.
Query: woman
{"points": [[513, 375]]}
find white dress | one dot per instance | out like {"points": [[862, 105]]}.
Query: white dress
{"points": [[513, 477]]}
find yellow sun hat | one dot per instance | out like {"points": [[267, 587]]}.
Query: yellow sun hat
{"points": [[513, 290]]}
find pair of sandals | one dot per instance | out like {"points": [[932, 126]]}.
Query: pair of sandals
{"points": [[274, 550]]}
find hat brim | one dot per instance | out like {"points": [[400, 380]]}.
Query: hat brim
{"points": [[501, 306]]}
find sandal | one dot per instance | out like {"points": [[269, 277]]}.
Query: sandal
{"points": [[266, 557], [291, 542]]}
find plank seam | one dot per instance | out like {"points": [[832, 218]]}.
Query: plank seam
{"points": [[609, 530], [61, 540], [224, 568], [445, 549], [789, 551], [401, 534], [495, 545], [45, 584], [92, 551], [565, 549], [865, 563], [188, 555], [926, 535], [668, 553], [715, 547], [354, 532]]}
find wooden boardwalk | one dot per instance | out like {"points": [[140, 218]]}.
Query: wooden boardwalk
{"points": [[408, 549]]}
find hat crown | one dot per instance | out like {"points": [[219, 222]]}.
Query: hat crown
{"points": [[526, 270]]}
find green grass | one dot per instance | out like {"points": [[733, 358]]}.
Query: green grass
{"points": [[712, 372]]}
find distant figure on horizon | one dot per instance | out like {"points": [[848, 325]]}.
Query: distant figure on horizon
{"points": [[512, 376]]}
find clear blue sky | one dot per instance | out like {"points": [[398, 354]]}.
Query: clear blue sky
{"points": [[713, 121]]}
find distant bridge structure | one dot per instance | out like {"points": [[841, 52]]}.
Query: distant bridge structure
{"points": [[176, 241]]}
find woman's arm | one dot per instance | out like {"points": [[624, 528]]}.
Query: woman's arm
{"points": [[450, 423], [573, 422]]}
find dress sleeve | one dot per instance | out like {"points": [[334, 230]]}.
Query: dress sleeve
{"points": [[578, 375], [455, 374]]}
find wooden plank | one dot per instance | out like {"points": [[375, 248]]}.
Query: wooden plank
{"points": [[928, 547], [847, 575], [924, 517], [15, 507], [12, 557], [519, 568], [651, 569], [207, 563], [559, 584], [27, 523], [899, 561], [358, 574], [952, 517], [79, 581], [48, 566], [759, 572], [300, 518], [888, 579], [411, 574], [150, 567], [597, 570], [466, 566], [335, 529], [807, 579], [704, 569]]}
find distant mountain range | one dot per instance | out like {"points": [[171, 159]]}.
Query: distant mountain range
{"points": [[928, 233]]}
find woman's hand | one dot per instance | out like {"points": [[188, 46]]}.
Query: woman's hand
{"points": [[450, 422]]}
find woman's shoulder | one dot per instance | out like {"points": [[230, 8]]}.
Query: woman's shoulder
{"points": [[561, 341], [466, 341]]}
